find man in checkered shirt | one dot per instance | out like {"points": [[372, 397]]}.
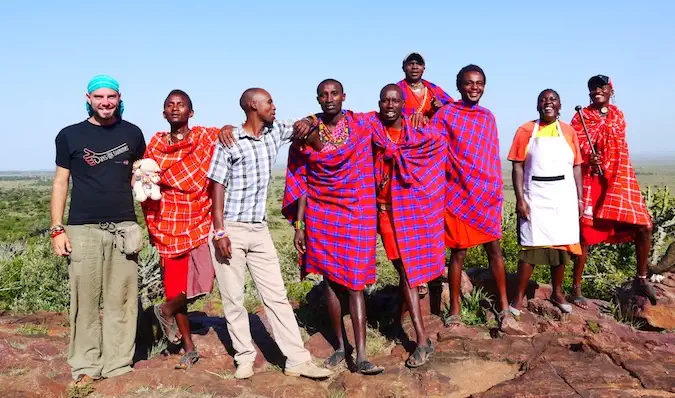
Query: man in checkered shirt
{"points": [[242, 239]]}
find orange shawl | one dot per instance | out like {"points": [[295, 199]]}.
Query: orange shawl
{"points": [[181, 220]]}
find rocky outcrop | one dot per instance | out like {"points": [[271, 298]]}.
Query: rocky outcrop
{"points": [[584, 354]]}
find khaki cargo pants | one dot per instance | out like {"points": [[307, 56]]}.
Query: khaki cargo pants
{"points": [[101, 276], [252, 248]]}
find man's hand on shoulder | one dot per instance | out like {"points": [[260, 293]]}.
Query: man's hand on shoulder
{"points": [[302, 129], [226, 136]]}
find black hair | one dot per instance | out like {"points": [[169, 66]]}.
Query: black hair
{"points": [[389, 87], [181, 93], [342, 89], [545, 91], [467, 69]]}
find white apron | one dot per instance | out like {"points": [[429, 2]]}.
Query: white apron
{"points": [[550, 192]]}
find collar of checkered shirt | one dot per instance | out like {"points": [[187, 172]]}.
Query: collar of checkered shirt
{"points": [[244, 134]]}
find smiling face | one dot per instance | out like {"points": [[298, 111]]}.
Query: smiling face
{"points": [[548, 106], [104, 102], [472, 86], [600, 94], [391, 104]]}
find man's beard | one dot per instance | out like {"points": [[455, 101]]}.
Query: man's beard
{"points": [[114, 114]]}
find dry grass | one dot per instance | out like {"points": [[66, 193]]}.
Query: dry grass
{"points": [[29, 329], [168, 392], [376, 343], [79, 390]]}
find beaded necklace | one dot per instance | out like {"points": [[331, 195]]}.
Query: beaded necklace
{"points": [[337, 136]]}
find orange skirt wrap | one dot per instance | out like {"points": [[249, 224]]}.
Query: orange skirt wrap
{"points": [[460, 235], [385, 226]]}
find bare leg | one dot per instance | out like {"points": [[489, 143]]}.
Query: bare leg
{"points": [[643, 243], [335, 314], [496, 261], [357, 310], [579, 264], [642, 246], [411, 299], [457, 257], [524, 275], [177, 307], [557, 277]]}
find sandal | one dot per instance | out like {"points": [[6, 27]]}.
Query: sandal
{"points": [[420, 356], [580, 302], [367, 368], [453, 321], [335, 360], [647, 290], [566, 308], [169, 329], [187, 360]]}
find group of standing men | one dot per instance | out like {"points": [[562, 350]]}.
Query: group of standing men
{"points": [[424, 172]]}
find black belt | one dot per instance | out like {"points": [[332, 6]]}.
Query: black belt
{"points": [[552, 178]]}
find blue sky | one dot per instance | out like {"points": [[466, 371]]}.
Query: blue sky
{"points": [[214, 50]]}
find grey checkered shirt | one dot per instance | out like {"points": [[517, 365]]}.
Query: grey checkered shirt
{"points": [[246, 168]]}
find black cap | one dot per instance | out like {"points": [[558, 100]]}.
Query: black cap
{"points": [[599, 80], [413, 57]]}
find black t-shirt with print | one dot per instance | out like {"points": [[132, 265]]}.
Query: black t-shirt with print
{"points": [[100, 159]]}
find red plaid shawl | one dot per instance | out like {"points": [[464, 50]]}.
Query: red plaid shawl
{"points": [[418, 196], [623, 201], [435, 91], [474, 167], [181, 219], [341, 217]]}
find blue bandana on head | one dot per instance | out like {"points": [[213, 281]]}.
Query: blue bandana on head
{"points": [[103, 81]]}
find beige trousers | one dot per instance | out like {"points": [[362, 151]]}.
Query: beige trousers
{"points": [[252, 247], [101, 276]]}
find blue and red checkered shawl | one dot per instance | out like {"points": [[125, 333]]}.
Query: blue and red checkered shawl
{"points": [[436, 92], [475, 184], [341, 215], [418, 196]]}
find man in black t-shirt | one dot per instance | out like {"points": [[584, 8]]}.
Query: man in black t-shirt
{"points": [[101, 239]]}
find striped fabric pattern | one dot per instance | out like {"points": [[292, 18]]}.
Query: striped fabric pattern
{"points": [[474, 169], [623, 200], [340, 216], [418, 196], [181, 220]]}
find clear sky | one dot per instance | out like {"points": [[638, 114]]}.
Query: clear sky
{"points": [[216, 49]]}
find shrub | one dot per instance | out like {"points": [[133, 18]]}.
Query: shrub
{"points": [[34, 279]]}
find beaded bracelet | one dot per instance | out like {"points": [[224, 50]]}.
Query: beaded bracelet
{"points": [[299, 225], [56, 230], [219, 234], [315, 120]]}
